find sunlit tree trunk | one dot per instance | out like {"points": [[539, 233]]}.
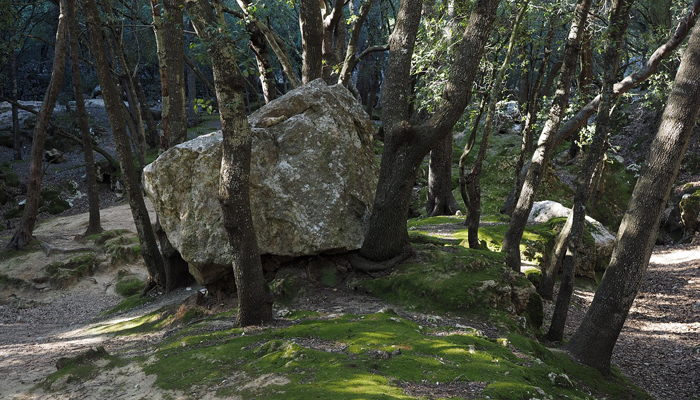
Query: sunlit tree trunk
{"points": [[595, 338], [23, 234], [406, 144], [511, 241], [254, 299], [619, 16]]}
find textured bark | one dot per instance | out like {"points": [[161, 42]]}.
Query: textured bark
{"points": [[311, 25], [580, 119], [619, 17], [254, 299], [192, 116], [511, 241], [92, 192], [406, 145], [258, 44], [114, 107], [472, 180], [594, 340], [23, 234]]}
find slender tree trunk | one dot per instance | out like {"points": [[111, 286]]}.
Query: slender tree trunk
{"points": [[406, 144], [473, 179], [350, 61], [594, 340], [152, 137], [92, 192], [580, 119], [311, 26], [114, 107], [511, 241], [254, 300], [258, 44], [619, 17], [16, 139], [24, 232], [526, 145]]}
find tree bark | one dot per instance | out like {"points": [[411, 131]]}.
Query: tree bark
{"points": [[406, 145], [351, 59], [258, 44], [311, 26], [254, 299], [594, 340], [511, 241], [92, 192], [173, 36], [24, 232], [619, 17], [114, 106]]}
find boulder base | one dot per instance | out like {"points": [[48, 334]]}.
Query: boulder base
{"points": [[313, 179], [594, 256]]}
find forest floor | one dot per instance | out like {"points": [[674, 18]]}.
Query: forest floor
{"points": [[659, 348]]}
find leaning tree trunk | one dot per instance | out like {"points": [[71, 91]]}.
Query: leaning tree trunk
{"points": [[114, 107], [619, 14], [594, 340], [92, 192], [173, 36], [405, 144], [511, 241], [472, 180], [24, 232], [254, 299]]}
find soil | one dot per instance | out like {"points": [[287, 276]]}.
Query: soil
{"points": [[658, 349]]}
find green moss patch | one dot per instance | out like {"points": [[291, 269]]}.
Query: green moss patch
{"points": [[62, 274], [129, 286]]}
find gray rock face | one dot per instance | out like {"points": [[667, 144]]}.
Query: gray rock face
{"points": [[594, 256], [313, 180]]}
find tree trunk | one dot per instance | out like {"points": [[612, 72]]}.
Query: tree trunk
{"points": [[511, 241], [114, 107], [259, 46], [473, 179], [311, 26], [441, 201], [173, 37], [619, 17], [580, 119], [16, 139], [406, 145], [24, 232], [594, 340], [254, 299], [351, 59], [533, 109], [92, 192], [192, 116]]}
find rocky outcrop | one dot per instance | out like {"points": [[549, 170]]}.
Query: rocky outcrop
{"points": [[313, 179], [595, 254]]}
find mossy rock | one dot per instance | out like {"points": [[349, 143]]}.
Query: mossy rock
{"points": [[129, 286], [8, 176], [288, 284], [52, 202], [62, 274], [14, 212]]}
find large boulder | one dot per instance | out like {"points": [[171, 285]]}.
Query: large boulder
{"points": [[313, 179], [594, 254]]}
